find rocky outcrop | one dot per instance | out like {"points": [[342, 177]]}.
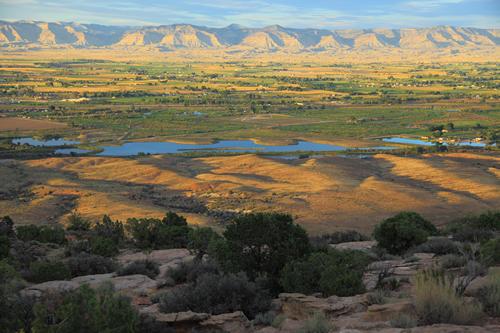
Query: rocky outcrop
{"points": [[386, 312], [399, 269], [132, 285], [189, 321], [165, 258], [50, 287], [235, 322], [301, 307], [360, 246], [161, 257]]}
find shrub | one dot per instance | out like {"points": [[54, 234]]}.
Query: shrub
{"points": [[261, 244], [77, 223], [112, 230], [376, 297], [7, 272], [341, 283], [334, 273], [490, 252], [43, 234], [475, 228], [24, 253], [170, 232], [190, 271], [199, 240], [87, 310], [89, 264], [76, 247], [278, 321], [103, 246], [15, 309], [4, 246], [317, 324], [404, 321], [216, 294], [436, 301], [143, 267], [489, 295], [452, 261], [42, 271], [265, 318], [438, 245], [6, 226], [403, 231]]}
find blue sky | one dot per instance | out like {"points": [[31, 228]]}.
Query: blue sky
{"points": [[329, 14]]}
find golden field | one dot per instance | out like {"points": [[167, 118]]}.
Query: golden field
{"points": [[324, 194]]}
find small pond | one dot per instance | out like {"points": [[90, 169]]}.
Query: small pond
{"points": [[428, 143]]}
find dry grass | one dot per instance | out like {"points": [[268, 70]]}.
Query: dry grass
{"points": [[323, 194], [437, 302]]}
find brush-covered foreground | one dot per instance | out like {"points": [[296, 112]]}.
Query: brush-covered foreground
{"points": [[262, 274]]}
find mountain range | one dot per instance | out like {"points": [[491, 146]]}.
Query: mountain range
{"points": [[236, 37]]}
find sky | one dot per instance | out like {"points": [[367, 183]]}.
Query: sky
{"points": [[327, 14]]}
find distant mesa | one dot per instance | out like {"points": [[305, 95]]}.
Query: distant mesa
{"points": [[236, 37]]}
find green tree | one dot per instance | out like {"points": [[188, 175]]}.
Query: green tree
{"points": [[330, 273], [110, 229], [76, 222], [200, 239], [170, 232], [262, 244], [490, 252], [403, 231]]}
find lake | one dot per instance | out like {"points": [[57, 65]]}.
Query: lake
{"points": [[232, 146]]}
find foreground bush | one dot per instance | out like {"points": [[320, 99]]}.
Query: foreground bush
{"points": [[402, 232], [4, 246], [261, 244], [87, 310], [143, 267], [334, 273], [436, 301], [15, 309], [187, 272], [42, 234], [168, 233], [42, 271], [318, 323], [216, 294], [490, 252], [89, 264], [489, 295], [438, 245]]}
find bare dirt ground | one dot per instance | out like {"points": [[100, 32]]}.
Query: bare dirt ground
{"points": [[323, 194], [22, 124]]}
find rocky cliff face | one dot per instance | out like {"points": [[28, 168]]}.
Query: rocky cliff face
{"points": [[235, 37]]}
